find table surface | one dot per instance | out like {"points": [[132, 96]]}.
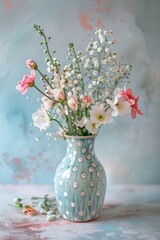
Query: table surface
{"points": [[130, 212]]}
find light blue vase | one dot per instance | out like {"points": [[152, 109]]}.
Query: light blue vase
{"points": [[80, 181]]}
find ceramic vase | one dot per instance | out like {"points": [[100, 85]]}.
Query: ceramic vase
{"points": [[80, 181]]}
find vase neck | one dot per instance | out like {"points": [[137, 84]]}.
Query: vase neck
{"points": [[81, 143]]}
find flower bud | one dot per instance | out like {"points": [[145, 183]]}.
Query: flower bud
{"points": [[31, 64]]}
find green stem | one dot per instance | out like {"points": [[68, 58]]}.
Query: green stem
{"points": [[44, 77], [53, 119], [42, 92], [78, 67]]}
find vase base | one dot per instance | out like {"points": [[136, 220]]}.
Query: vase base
{"points": [[81, 221]]}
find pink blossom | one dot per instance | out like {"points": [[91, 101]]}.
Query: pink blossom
{"points": [[128, 95], [58, 94], [73, 103], [47, 103], [28, 81], [31, 64], [87, 100]]}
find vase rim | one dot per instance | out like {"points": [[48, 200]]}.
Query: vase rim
{"points": [[80, 137]]}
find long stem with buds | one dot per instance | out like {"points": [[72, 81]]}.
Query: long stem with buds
{"points": [[42, 92], [44, 77]]}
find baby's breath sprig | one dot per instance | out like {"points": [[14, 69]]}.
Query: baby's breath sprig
{"points": [[54, 63]]}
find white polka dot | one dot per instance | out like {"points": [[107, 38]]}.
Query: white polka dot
{"points": [[93, 213], [90, 169], [103, 180], [75, 168], [89, 203], [93, 153], [91, 183], [97, 193], [94, 165], [72, 140], [73, 204], [89, 140], [84, 150], [60, 182], [60, 203], [58, 174], [79, 143], [88, 156], [70, 155], [70, 144], [55, 191], [80, 159], [65, 194], [64, 216], [90, 146], [84, 175], [67, 212], [75, 153], [75, 184], [75, 219], [83, 194], [81, 213], [98, 174]]}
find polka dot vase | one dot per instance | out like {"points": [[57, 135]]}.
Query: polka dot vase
{"points": [[80, 181]]}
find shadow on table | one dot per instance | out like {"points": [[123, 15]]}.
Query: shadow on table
{"points": [[121, 211]]}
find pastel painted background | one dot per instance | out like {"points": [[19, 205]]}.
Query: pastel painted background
{"points": [[128, 149]]}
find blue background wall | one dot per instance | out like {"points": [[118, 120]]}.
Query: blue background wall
{"points": [[129, 149]]}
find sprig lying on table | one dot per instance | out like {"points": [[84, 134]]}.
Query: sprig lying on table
{"points": [[43, 205]]}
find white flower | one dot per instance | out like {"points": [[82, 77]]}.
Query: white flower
{"points": [[41, 119], [119, 105], [47, 103], [98, 114], [92, 127]]}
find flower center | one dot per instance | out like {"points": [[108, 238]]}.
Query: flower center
{"points": [[100, 117]]}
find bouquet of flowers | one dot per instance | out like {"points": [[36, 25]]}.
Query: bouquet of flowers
{"points": [[91, 90]]}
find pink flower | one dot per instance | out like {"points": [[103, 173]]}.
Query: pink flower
{"points": [[58, 94], [73, 103], [47, 103], [28, 81], [128, 95], [87, 100], [31, 64]]}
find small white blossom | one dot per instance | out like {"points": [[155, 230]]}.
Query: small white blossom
{"points": [[106, 50], [91, 52], [95, 73], [41, 119], [128, 68], [79, 76], [99, 49], [75, 82]]}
